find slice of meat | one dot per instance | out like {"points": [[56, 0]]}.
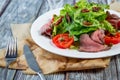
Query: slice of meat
{"points": [[114, 20], [115, 23], [88, 45], [46, 29], [98, 36], [111, 16]]}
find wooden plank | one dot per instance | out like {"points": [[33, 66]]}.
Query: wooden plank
{"points": [[110, 73], [19, 76], [118, 66], [24, 11], [53, 4], [22, 76], [12, 15], [6, 19], [10, 74], [1, 73], [3, 6], [56, 76], [3, 32], [86, 75]]}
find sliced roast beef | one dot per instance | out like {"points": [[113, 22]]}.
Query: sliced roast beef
{"points": [[46, 29], [88, 45], [114, 20], [98, 36], [115, 23], [112, 16]]}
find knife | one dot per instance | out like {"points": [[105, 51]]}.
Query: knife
{"points": [[32, 62]]}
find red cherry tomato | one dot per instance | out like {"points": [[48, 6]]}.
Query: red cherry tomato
{"points": [[112, 39], [63, 40]]}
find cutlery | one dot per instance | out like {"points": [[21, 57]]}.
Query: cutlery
{"points": [[32, 62], [11, 53]]}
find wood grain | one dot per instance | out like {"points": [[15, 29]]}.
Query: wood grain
{"points": [[26, 11], [5, 5]]}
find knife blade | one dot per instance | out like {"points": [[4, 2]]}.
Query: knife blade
{"points": [[32, 62]]}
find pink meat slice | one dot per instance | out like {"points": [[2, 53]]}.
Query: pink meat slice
{"points": [[88, 45], [46, 29], [114, 20], [115, 23], [98, 36]]}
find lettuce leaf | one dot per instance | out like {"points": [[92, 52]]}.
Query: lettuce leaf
{"points": [[77, 26]]}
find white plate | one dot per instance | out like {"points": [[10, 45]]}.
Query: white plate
{"points": [[45, 43]]}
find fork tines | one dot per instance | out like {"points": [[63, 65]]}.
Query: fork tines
{"points": [[11, 48]]}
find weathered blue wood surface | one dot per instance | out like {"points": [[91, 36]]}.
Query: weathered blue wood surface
{"points": [[25, 11]]}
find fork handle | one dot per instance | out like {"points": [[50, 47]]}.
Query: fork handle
{"points": [[5, 73]]}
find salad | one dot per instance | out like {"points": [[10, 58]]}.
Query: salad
{"points": [[84, 26]]}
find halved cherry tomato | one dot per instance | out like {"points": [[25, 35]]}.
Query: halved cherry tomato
{"points": [[112, 39], [118, 34], [63, 40]]}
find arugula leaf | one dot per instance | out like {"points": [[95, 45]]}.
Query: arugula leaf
{"points": [[108, 27], [82, 22]]}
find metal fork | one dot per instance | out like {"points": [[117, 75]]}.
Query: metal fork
{"points": [[11, 53]]}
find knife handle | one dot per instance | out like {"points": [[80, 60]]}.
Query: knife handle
{"points": [[42, 77]]}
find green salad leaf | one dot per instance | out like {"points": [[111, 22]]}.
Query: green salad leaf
{"points": [[82, 18]]}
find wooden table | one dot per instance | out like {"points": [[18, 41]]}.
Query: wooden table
{"points": [[26, 11]]}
